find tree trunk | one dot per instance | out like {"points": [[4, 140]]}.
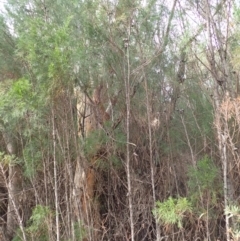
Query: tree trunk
{"points": [[14, 186], [91, 116]]}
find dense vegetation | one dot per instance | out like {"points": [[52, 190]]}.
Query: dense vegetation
{"points": [[119, 120]]}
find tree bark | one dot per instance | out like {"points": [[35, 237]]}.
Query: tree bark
{"points": [[14, 186]]}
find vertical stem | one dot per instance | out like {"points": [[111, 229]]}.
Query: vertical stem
{"points": [[12, 200], [222, 133], [14, 187], [55, 177], [188, 141], [222, 146], [127, 91], [151, 151], [225, 179]]}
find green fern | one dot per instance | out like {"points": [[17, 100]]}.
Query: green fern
{"points": [[172, 211]]}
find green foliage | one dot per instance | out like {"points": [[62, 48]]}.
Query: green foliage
{"points": [[233, 212], [203, 176], [197, 116], [40, 216], [79, 230], [39, 222], [201, 110], [235, 38], [104, 164], [116, 162], [8, 63], [18, 236], [18, 97], [7, 159], [21, 111], [204, 187], [94, 142], [38, 225], [21, 89], [120, 139], [21, 114], [172, 211], [46, 47], [32, 155]]}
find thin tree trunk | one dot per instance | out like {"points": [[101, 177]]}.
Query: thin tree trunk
{"points": [[225, 179], [222, 80], [222, 145], [14, 187], [128, 106], [151, 152], [55, 178]]}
